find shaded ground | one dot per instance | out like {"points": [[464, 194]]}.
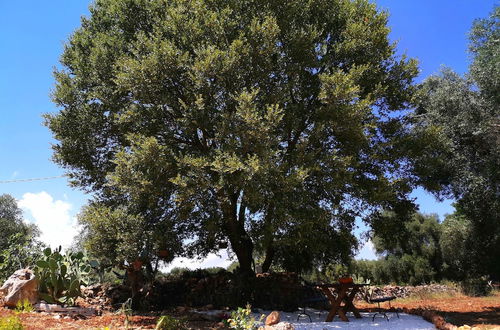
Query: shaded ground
{"points": [[458, 310], [33, 321], [317, 322]]}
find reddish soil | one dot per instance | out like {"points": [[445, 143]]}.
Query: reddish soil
{"points": [[483, 312], [460, 310], [34, 321]]}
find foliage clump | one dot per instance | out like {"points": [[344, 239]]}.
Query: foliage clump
{"points": [[263, 126], [19, 243], [462, 115], [167, 322], [241, 319], [475, 287], [60, 276], [24, 306], [10, 323]]}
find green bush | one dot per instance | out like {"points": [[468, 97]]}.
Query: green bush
{"points": [[19, 243], [475, 287], [185, 273], [241, 319], [404, 269], [24, 306], [10, 323], [167, 322]]}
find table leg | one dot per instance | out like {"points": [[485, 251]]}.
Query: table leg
{"points": [[336, 309], [349, 306], [342, 315]]}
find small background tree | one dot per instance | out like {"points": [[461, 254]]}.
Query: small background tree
{"points": [[19, 244]]}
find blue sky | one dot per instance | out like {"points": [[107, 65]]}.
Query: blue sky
{"points": [[32, 36]]}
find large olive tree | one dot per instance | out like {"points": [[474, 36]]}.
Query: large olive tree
{"points": [[238, 122], [463, 114]]}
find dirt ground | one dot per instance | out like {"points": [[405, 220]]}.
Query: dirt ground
{"points": [[459, 310], [483, 312], [112, 321]]}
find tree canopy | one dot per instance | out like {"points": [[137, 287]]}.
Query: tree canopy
{"points": [[463, 114], [118, 236], [19, 246], [262, 124], [413, 253], [11, 219], [12, 222]]}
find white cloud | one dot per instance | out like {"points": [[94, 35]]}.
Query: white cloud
{"points": [[212, 260], [14, 175], [367, 251], [53, 218]]}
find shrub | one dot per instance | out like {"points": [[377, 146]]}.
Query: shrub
{"points": [[24, 306], [186, 273], [10, 323], [475, 287], [167, 322], [126, 310], [241, 319]]}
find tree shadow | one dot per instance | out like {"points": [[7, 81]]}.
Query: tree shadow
{"points": [[490, 315]]}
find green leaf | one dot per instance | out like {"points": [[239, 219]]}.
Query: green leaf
{"points": [[57, 256], [64, 270], [47, 252], [42, 264], [75, 285], [53, 281], [52, 264], [60, 284], [47, 298]]}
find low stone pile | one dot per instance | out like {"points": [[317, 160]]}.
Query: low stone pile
{"points": [[412, 291], [281, 291], [105, 296], [272, 291]]}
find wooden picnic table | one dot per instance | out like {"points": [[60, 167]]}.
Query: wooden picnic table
{"points": [[345, 293]]}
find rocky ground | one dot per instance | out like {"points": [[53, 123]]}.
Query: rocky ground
{"points": [[482, 312], [429, 301]]}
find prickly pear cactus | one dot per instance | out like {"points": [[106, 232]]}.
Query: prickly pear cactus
{"points": [[62, 275]]}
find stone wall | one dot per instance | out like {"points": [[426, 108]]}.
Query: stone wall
{"points": [[412, 291], [271, 291]]}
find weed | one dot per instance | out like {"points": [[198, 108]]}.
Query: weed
{"points": [[167, 322], [24, 306], [241, 319], [126, 310], [10, 323], [427, 295]]}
